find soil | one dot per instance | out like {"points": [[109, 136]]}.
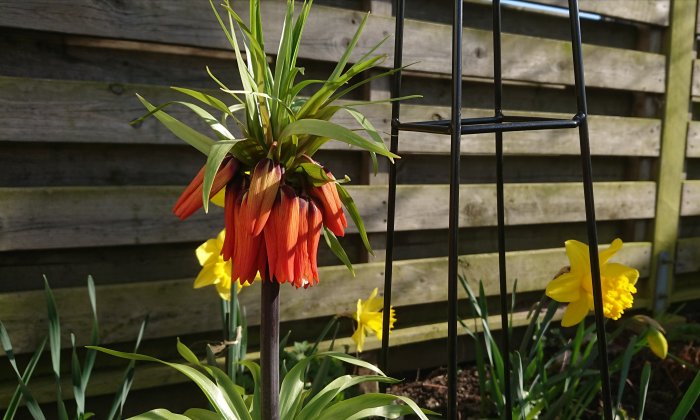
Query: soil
{"points": [[669, 380], [431, 392]]}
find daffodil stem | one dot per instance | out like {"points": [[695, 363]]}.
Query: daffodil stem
{"points": [[269, 349], [231, 334]]}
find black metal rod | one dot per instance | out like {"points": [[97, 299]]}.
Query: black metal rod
{"points": [[587, 169], [522, 125], [500, 209], [269, 349], [519, 126], [453, 241], [399, 6]]}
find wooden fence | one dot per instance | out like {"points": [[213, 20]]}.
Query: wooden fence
{"points": [[83, 192]]}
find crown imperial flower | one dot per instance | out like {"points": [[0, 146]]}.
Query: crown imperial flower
{"points": [[575, 287]]}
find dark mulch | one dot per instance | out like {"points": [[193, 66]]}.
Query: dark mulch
{"points": [[669, 381], [431, 392]]}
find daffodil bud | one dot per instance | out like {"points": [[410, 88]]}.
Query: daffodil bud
{"points": [[264, 184], [657, 343]]}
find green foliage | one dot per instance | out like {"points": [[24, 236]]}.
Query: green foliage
{"points": [[296, 401], [80, 374], [553, 376]]}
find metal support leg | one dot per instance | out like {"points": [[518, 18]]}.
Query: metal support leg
{"points": [[590, 207]]}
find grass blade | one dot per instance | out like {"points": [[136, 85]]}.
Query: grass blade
{"points": [[349, 204], [55, 347], [22, 380], [688, 400], [337, 249], [127, 378], [643, 388]]}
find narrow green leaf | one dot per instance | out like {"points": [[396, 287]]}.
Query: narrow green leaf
{"points": [[127, 378], [325, 396], [327, 129], [202, 414], [186, 133], [688, 400], [254, 370], [216, 156], [353, 408], [76, 377], [315, 173], [160, 414], [204, 98], [94, 336], [624, 371], [211, 390], [22, 380], [55, 347], [349, 204], [337, 249], [643, 388], [292, 387]]}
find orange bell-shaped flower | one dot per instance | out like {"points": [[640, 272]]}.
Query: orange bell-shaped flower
{"points": [[281, 233], [264, 184], [331, 206], [191, 199]]}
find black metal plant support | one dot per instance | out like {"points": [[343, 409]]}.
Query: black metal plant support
{"points": [[498, 124]]}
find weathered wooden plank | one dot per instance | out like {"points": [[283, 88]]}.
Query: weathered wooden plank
{"points": [[669, 201], [646, 11], [690, 200], [693, 141], [175, 308], [695, 88], [95, 112], [688, 255], [35, 164], [65, 217], [546, 61]]}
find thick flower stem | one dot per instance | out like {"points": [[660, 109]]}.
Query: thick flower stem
{"points": [[269, 349]]}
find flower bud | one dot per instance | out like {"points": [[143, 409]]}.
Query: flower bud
{"points": [[191, 199], [331, 206], [264, 184]]}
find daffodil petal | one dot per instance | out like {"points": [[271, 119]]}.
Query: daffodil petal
{"points": [[208, 252], [218, 198], [359, 338], [374, 303], [606, 254], [206, 277], [374, 323], [579, 258], [220, 239], [620, 270], [575, 312], [565, 288]]}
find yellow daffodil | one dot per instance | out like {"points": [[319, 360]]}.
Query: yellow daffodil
{"points": [[369, 319], [215, 271], [575, 287]]}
